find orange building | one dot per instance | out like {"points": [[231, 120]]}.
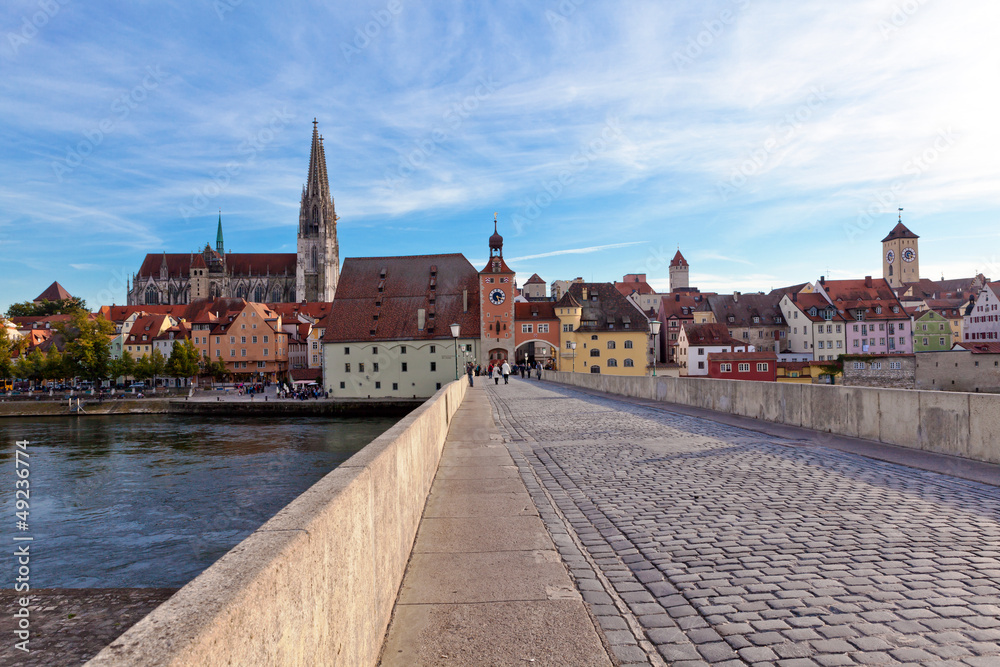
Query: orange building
{"points": [[247, 337], [536, 331]]}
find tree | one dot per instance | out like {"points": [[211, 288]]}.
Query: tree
{"points": [[183, 362], [88, 345], [141, 369], [6, 351], [31, 366], [54, 366], [157, 364], [123, 367], [217, 369], [32, 309]]}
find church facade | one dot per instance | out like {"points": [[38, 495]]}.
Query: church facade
{"points": [[309, 274]]}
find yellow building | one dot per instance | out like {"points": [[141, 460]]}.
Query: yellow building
{"points": [[601, 331]]}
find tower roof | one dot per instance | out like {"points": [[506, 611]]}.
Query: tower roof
{"points": [[496, 241], [678, 259], [54, 292], [900, 232], [218, 235], [317, 181]]}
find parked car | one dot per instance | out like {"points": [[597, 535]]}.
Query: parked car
{"points": [[137, 385]]}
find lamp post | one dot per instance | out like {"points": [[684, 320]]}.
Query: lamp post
{"points": [[454, 334], [572, 346], [654, 328]]}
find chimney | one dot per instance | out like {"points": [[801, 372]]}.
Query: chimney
{"points": [[795, 297], [868, 281], [736, 297], [421, 316], [584, 291], [465, 301], [822, 280]]}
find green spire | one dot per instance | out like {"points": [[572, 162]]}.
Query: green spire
{"points": [[218, 236]]}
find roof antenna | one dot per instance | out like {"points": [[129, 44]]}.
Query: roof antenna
{"points": [[901, 215]]}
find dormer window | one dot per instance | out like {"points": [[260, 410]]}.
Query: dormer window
{"points": [[878, 310], [756, 320], [731, 318]]}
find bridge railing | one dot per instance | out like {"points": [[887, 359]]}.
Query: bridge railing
{"points": [[317, 583], [960, 424]]}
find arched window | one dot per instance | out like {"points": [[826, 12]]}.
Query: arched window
{"points": [[595, 352], [276, 295], [315, 258], [595, 369], [258, 294], [241, 292], [612, 363], [628, 363], [628, 345], [611, 344], [152, 296], [213, 290], [314, 221]]}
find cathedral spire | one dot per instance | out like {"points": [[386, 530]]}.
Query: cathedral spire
{"points": [[218, 236]]}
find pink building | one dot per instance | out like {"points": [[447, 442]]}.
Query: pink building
{"points": [[877, 323]]}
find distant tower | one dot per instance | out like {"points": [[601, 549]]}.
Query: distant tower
{"points": [[678, 272], [900, 255], [317, 268]]}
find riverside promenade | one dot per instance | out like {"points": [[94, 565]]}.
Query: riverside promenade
{"points": [[694, 539]]}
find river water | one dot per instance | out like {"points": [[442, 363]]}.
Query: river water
{"points": [[152, 500]]}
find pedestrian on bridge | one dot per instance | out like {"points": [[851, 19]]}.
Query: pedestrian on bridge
{"points": [[505, 369]]}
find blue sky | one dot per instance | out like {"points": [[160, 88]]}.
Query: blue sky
{"points": [[772, 141]]}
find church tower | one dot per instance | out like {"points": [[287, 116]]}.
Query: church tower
{"points": [[900, 256], [496, 305], [317, 267]]}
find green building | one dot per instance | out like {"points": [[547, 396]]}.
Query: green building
{"points": [[931, 332]]}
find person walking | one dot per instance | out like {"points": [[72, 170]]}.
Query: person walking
{"points": [[538, 370], [505, 369], [468, 371]]}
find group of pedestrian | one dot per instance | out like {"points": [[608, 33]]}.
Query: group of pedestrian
{"points": [[502, 369]]}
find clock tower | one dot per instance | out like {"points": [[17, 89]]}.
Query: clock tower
{"points": [[900, 256], [496, 305]]}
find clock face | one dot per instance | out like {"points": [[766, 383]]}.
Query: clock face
{"points": [[890, 256], [497, 296], [909, 255]]}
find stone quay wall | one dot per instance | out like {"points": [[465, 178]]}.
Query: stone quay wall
{"points": [[316, 584], [960, 424]]}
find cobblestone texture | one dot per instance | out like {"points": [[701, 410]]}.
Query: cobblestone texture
{"points": [[699, 543]]}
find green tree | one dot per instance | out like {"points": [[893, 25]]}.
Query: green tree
{"points": [[141, 370], [88, 345], [184, 358], [123, 367], [217, 369], [54, 366], [7, 348], [31, 366], [157, 364], [32, 309]]}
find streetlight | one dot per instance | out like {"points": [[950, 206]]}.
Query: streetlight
{"points": [[454, 334], [654, 327], [572, 346]]}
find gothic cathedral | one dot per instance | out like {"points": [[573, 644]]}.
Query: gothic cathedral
{"points": [[310, 274]]}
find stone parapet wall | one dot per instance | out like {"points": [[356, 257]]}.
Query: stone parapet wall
{"points": [[959, 424], [317, 583]]}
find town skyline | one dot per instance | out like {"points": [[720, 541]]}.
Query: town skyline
{"points": [[667, 127]]}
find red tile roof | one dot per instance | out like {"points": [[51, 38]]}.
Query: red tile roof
{"points": [[535, 278], [54, 292], [179, 264], [807, 301], [742, 356], [867, 294], [535, 310], [640, 286], [382, 295], [678, 259], [712, 333], [981, 348]]}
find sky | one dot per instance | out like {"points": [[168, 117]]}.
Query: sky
{"points": [[771, 141]]}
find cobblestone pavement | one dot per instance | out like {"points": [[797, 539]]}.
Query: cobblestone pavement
{"points": [[698, 543]]}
